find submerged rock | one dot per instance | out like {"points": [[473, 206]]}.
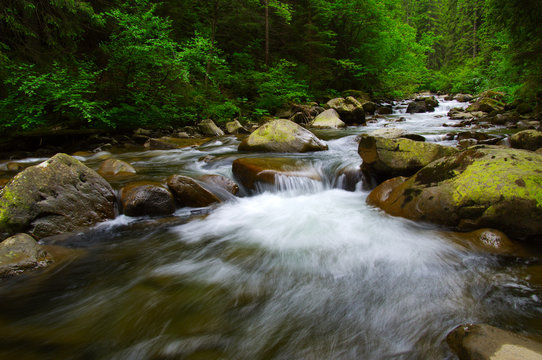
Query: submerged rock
{"points": [[188, 192], [59, 195], [485, 342], [115, 167], [21, 252], [487, 240], [250, 171], [482, 186], [222, 182], [329, 119], [385, 158], [140, 199], [282, 136]]}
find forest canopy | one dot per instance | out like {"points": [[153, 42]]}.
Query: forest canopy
{"points": [[131, 63]]}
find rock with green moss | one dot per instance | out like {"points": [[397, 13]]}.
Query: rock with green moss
{"points": [[483, 186], [19, 253], [384, 158], [350, 110], [59, 195], [486, 104], [282, 136], [527, 139], [329, 119]]}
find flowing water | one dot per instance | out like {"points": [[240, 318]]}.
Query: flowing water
{"points": [[300, 270]]}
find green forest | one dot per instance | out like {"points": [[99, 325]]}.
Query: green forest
{"points": [[132, 63]]}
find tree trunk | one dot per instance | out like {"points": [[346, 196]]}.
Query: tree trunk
{"points": [[266, 33], [214, 21]]}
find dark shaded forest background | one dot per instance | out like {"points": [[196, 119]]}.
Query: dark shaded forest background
{"points": [[132, 63]]}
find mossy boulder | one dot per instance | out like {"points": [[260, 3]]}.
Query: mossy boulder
{"points": [[19, 253], [350, 110], [282, 136], [485, 342], [463, 97], [235, 127], [329, 119], [146, 198], [483, 186], [251, 171], [486, 104], [384, 158], [59, 195], [189, 192], [209, 128], [527, 139]]}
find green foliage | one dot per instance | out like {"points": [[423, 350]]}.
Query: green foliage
{"points": [[278, 86], [44, 98]]}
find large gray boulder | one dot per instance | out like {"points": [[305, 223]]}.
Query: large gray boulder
{"points": [[59, 195], [282, 136], [483, 186]]}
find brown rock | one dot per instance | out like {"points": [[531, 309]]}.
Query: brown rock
{"points": [[115, 167], [146, 198], [188, 192]]}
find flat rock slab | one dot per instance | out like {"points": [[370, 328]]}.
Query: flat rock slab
{"points": [[485, 342]]}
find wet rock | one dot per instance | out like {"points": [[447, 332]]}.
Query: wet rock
{"points": [[59, 195], [463, 97], [485, 342], [140, 199], [487, 241], [459, 114], [527, 139], [235, 127], [388, 133], [414, 137], [169, 143], [350, 110], [486, 104], [483, 186], [250, 171], [300, 118], [329, 119], [386, 158], [466, 143], [282, 136], [385, 110], [222, 182], [208, 127], [528, 124], [115, 167], [369, 107], [188, 192], [19, 253], [422, 104], [15, 166]]}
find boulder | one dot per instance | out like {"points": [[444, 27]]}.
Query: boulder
{"points": [[527, 139], [329, 119], [250, 171], [188, 192], [19, 253], [350, 110], [384, 158], [59, 195], [459, 114], [282, 136], [485, 342], [208, 127], [388, 133], [146, 198], [235, 127], [115, 167], [421, 105], [488, 241], [463, 97], [221, 182], [369, 107], [486, 104], [384, 110], [483, 186]]}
